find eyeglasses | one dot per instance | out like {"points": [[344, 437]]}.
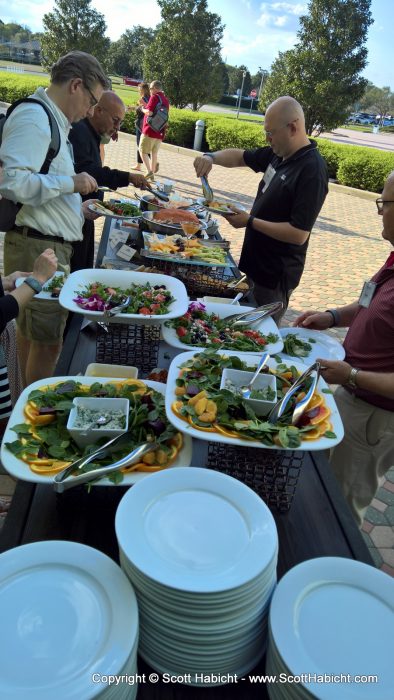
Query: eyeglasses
{"points": [[380, 202], [270, 134], [93, 99], [116, 120]]}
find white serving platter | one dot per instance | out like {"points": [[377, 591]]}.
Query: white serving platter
{"points": [[251, 359], [20, 469], [43, 294], [324, 345], [266, 326], [78, 281], [110, 214]]}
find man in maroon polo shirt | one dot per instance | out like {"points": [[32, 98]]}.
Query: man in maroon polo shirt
{"points": [[365, 397]]}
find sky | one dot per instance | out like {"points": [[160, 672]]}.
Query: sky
{"points": [[254, 32]]}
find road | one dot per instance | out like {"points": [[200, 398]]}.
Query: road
{"points": [[384, 141]]}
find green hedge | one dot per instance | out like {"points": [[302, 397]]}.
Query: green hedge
{"points": [[365, 169], [355, 166], [14, 87]]}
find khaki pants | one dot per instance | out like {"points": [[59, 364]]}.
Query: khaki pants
{"points": [[366, 452], [41, 320]]}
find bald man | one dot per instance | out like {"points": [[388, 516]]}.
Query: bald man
{"points": [[288, 201], [86, 137]]}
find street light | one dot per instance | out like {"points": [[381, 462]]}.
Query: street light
{"points": [[241, 93], [264, 74]]}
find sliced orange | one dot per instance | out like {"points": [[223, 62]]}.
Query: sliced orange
{"points": [[44, 419], [323, 414], [176, 406], [311, 434], [208, 429], [227, 432], [31, 412], [315, 401], [43, 462]]}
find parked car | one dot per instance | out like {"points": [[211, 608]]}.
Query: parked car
{"points": [[361, 118]]}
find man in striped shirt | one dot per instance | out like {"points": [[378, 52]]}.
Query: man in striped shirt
{"points": [[365, 397]]}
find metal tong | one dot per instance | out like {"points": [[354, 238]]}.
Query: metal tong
{"points": [[207, 189], [254, 315], [109, 313], [61, 484], [280, 408]]}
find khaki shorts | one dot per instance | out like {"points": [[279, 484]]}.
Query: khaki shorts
{"points": [[149, 144], [41, 320]]}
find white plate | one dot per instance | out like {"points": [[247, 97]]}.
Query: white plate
{"points": [[267, 325], [20, 470], [77, 281], [227, 211], [322, 613], [322, 443], [67, 612], [43, 294], [183, 522], [324, 346], [110, 214]]}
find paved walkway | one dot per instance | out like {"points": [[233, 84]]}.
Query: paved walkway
{"points": [[346, 248]]}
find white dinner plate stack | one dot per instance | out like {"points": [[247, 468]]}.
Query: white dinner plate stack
{"points": [[69, 619], [200, 549], [330, 627]]}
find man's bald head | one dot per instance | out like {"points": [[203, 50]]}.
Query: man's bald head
{"points": [[286, 109], [108, 114], [285, 127]]}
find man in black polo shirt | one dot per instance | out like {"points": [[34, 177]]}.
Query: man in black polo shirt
{"points": [[86, 137], [288, 201]]}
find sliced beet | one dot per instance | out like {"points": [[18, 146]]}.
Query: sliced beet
{"points": [[192, 390], [157, 426], [47, 411], [313, 412]]}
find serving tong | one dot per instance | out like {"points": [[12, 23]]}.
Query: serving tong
{"points": [[254, 315], [110, 312], [207, 189], [279, 409], [62, 482]]}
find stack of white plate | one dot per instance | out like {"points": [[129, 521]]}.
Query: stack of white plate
{"points": [[201, 550], [330, 627], [69, 619]]}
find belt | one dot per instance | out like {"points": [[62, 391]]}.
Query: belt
{"points": [[33, 233]]}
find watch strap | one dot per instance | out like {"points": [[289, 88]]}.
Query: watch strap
{"points": [[335, 315], [35, 285], [352, 378]]}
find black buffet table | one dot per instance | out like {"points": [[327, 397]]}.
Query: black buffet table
{"points": [[318, 523]]}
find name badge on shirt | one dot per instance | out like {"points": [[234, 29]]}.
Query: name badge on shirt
{"points": [[367, 293], [268, 175]]}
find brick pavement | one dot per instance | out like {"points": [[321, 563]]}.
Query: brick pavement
{"points": [[346, 247]]}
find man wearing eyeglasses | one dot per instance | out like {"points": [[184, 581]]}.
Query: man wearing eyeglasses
{"points": [[86, 137], [365, 397], [288, 201], [51, 213]]}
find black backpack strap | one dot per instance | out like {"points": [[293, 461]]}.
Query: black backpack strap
{"points": [[54, 145]]}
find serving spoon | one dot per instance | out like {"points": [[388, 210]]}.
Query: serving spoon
{"points": [[247, 390]]}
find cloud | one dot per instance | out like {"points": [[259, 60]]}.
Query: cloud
{"points": [[280, 14], [119, 16], [260, 50]]}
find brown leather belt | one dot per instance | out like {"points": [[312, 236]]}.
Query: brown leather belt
{"points": [[33, 233]]}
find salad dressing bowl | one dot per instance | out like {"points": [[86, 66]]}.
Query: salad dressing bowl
{"points": [[238, 378]]}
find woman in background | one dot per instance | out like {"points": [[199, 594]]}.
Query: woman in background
{"points": [[142, 102]]}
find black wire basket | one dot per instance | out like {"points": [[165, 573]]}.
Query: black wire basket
{"points": [[272, 474]]}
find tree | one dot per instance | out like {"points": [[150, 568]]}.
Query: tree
{"points": [[323, 70], [379, 99], [185, 53], [235, 79], [74, 25], [126, 55]]}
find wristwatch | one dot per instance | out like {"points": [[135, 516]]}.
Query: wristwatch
{"points": [[34, 284], [210, 155], [352, 378]]}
